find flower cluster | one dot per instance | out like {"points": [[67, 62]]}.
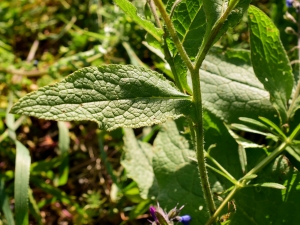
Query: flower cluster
{"points": [[162, 218]]}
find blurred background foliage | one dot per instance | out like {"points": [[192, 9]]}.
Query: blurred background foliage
{"points": [[42, 41]]}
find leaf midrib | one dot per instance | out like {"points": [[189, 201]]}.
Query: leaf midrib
{"points": [[136, 98]]}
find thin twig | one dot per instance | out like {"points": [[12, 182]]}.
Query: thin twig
{"points": [[154, 13], [32, 51]]}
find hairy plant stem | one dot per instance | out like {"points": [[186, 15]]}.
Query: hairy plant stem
{"points": [[153, 11], [209, 41], [198, 125], [197, 99]]}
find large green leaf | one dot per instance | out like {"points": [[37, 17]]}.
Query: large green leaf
{"points": [[138, 163], [231, 90], [131, 11], [270, 62], [268, 205], [113, 96], [22, 183]]}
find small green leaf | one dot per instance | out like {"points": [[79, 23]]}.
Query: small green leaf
{"points": [[113, 96], [242, 141], [294, 150], [131, 11], [273, 126], [249, 177], [254, 122], [22, 184], [269, 185], [251, 130], [243, 158], [270, 62], [138, 163]]}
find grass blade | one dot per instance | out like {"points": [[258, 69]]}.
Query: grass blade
{"points": [[4, 204], [22, 184], [63, 144]]}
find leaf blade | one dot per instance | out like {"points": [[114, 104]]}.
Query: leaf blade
{"points": [[138, 163], [113, 96], [231, 90], [22, 184], [270, 62]]}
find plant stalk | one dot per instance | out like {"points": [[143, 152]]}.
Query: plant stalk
{"points": [[198, 125], [268, 159], [153, 11], [213, 218], [230, 177]]}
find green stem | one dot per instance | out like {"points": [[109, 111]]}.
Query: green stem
{"points": [[198, 125], [209, 41], [255, 170], [173, 34], [233, 181], [213, 218], [153, 11], [268, 159], [230, 177]]}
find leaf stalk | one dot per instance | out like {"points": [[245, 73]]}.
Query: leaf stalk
{"points": [[213, 218], [224, 171]]}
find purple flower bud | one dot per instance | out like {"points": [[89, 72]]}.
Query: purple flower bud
{"points": [[185, 219], [152, 212], [289, 3]]}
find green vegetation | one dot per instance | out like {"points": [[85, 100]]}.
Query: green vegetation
{"points": [[211, 91]]}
